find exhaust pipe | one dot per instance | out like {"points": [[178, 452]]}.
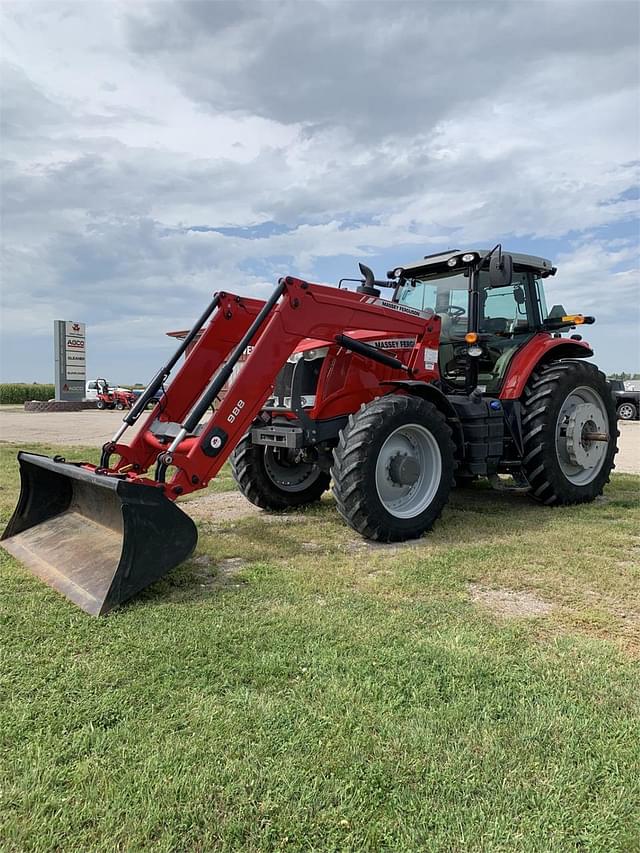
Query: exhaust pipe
{"points": [[98, 540]]}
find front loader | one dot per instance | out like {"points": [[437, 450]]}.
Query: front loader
{"points": [[461, 373]]}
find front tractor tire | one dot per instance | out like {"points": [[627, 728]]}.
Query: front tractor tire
{"points": [[564, 404], [393, 468], [276, 478]]}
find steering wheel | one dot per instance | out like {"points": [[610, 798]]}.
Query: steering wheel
{"points": [[455, 311]]}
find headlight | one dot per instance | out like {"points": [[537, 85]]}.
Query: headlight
{"points": [[469, 258], [312, 354], [475, 351], [397, 273], [452, 262]]}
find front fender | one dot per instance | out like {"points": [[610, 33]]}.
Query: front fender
{"points": [[540, 349]]}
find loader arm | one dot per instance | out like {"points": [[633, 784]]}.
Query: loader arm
{"points": [[298, 310], [232, 318]]}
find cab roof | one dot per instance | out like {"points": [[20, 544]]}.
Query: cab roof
{"points": [[430, 263]]}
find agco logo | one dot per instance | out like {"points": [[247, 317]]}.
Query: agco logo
{"points": [[72, 343]]}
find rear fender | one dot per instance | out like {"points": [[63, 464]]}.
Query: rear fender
{"points": [[539, 350]]}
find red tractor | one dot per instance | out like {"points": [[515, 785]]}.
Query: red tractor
{"points": [[114, 398], [461, 373]]}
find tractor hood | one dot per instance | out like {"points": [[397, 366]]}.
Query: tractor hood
{"points": [[390, 341]]}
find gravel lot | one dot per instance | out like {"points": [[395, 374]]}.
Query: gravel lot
{"points": [[628, 458], [90, 427], [93, 428]]}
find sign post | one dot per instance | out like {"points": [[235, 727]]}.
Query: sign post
{"points": [[70, 357]]}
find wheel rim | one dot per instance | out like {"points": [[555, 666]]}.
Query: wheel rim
{"points": [[288, 471], [583, 412], [626, 412], [408, 471]]}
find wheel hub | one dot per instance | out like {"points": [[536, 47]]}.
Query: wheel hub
{"points": [[404, 469], [408, 470], [288, 470], [585, 420]]}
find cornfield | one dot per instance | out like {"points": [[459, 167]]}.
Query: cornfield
{"points": [[19, 392]]}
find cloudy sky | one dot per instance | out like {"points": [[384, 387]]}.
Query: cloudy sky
{"points": [[155, 153]]}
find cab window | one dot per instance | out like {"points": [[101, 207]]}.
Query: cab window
{"points": [[446, 294], [543, 311], [504, 310], [419, 294]]}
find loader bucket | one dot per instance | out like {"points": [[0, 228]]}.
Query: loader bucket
{"points": [[98, 540]]}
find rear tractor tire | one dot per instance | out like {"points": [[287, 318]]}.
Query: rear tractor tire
{"points": [[393, 468], [564, 404], [276, 478]]}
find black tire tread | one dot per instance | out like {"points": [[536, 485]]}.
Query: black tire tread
{"points": [[543, 394], [353, 450], [248, 471]]}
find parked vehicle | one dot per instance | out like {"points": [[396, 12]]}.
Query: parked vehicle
{"points": [[152, 400], [461, 373], [107, 397], [114, 398], [92, 388], [627, 402]]}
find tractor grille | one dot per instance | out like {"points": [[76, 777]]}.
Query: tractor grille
{"points": [[283, 384], [306, 373]]}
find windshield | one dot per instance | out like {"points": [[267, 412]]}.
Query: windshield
{"points": [[503, 310], [436, 292]]}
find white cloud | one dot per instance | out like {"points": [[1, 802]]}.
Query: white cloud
{"points": [[126, 125]]}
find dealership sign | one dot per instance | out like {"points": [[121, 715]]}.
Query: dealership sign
{"points": [[71, 359], [75, 346]]}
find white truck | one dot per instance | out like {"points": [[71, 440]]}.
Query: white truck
{"points": [[93, 387]]}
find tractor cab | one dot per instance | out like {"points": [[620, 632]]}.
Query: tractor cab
{"points": [[487, 312]]}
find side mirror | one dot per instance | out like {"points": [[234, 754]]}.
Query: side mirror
{"points": [[500, 270]]}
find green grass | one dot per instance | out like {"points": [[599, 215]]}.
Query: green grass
{"points": [[326, 695]]}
